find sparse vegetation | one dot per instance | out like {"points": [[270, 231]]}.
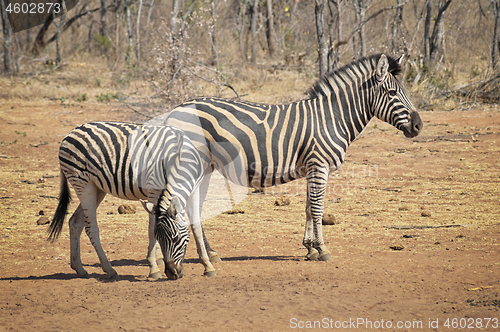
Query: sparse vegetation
{"points": [[213, 51]]}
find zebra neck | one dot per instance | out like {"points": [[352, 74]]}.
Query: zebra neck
{"points": [[342, 115]]}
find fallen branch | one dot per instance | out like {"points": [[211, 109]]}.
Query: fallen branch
{"points": [[423, 227]]}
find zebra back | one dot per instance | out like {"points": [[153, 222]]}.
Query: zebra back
{"points": [[129, 160]]}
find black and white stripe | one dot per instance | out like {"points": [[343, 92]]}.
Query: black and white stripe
{"points": [[133, 162], [262, 145]]}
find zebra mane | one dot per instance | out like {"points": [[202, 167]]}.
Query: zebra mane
{"points": [[340, 77]]}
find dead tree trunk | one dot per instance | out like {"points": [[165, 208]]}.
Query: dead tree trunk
{"points": [[271, 38], [335, 33], [322, 41], [174, 26], [215, 59], [242, 28], [495, 49], [253, 27], [90, 34], [7, 37], [104, 30], [433, 43], [138, 36], [59, 31], [128, 57], [362, 40], [396, 26]]}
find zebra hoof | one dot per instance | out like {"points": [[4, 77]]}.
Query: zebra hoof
{"points": [[115, 277], [84, 276], [215, 259], [312, 257], [209, 274], [326, 258], [155, 276]]}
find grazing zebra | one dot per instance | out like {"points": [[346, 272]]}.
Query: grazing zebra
{"points": [[132, 162], [276, 144]]}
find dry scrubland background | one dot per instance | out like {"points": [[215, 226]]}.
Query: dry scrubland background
{"points": [[392, 260]]}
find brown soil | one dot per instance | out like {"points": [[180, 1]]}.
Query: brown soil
{"points": [[448, 176]]}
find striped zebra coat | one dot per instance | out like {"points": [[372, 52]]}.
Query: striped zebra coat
{"points": [[260, 145], [131, 162]]}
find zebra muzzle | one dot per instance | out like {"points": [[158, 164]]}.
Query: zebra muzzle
{"points": [[173, 271], [414, 126]]}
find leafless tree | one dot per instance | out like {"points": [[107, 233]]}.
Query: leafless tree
{"points": [[211, 30], [138, 36], [7, 33], [128, 57], [495, 48], [59, 31], [335, 29], [270, 34], [253, 28], [360, 7], [103, 30], [433, 42], [174, 26], [242, 27], [322, 40]]}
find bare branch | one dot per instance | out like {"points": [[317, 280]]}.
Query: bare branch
{"points": [[360, 25]]}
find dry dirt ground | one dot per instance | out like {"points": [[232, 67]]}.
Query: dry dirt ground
{"points": [[441, 278]]}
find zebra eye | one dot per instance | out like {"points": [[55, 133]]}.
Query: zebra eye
{"points": [[392, 93]]}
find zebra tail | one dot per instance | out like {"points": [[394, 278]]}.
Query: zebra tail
{"points": [[58, 221]]}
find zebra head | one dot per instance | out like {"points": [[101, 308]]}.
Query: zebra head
{"points": [[171, 233], [391, 104]]}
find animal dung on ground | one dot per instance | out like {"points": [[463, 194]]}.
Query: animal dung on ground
{"points": [[329, 219], [126, 209], [426, 213], [282, 201], [404, 208], [43, 221], [235, 211], [397, 247]]}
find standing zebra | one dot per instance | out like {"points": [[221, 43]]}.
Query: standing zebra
{"points": [[279, 143], [132, 162]]}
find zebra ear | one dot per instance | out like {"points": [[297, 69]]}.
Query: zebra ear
{"points": [[400, 59], [149, 207], [175, 206], [382, 68]]}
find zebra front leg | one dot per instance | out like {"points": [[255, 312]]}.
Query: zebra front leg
{"points": [[212, 254], [76, 223], [193, 211], [153, 250], [317, 178], [312, 254]]}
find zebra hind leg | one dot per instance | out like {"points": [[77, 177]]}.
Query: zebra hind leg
{"points": [[203, 190], [76, 223], [90, 198]]}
